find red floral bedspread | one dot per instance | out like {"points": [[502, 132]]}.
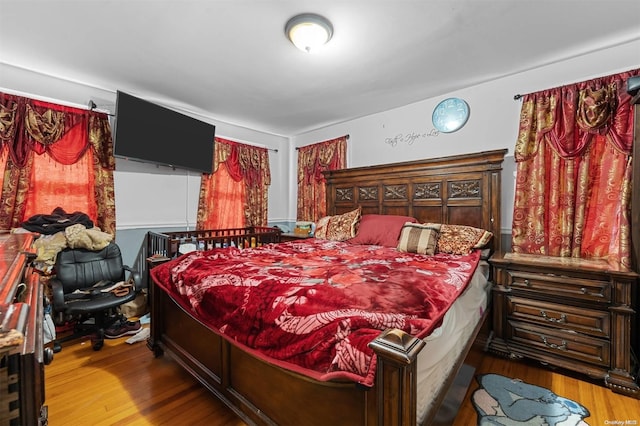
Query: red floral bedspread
{"points": [[313, 306]]}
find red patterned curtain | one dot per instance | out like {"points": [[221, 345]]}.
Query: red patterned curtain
{"points": [[235, 195], [573, 187], [312, 161], [54, 156]]}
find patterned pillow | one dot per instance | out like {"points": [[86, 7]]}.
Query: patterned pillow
{"points": [[461, 239], [418, 238], [339, 227]]}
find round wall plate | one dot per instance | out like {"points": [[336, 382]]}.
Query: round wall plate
{"points": [[450, 115]]}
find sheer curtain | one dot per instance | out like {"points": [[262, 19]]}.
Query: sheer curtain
{"points": [[312, 161], [54, 156], [573, 160], [235, 195]]}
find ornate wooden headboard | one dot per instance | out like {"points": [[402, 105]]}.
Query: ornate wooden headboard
{"points": [[460, 190]]}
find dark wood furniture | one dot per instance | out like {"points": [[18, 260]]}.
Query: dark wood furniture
{"points": [[21, 309], [292, 236], [571, 313], [462, 189], [168, 243]]}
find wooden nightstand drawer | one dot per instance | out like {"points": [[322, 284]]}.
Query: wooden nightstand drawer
{"points": [[589, 321], [570, 345], [561, 286]]}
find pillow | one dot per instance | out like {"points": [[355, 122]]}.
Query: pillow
{"points": [[418, 238], [339, 227], [461, 239], [380, 229]]}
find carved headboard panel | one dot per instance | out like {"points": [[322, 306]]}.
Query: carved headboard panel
{"points": [[461, 190]]}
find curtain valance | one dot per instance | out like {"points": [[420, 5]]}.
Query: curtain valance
{"points": [[569, 117], [65, 133], [243, 162]]}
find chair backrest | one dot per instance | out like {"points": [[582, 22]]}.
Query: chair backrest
{"points": [[81, 268]]}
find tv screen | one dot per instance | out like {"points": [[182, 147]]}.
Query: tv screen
{"points": [[151, 133]]}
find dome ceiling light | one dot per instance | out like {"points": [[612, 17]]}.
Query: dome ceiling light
{"points": [[308, 31]]}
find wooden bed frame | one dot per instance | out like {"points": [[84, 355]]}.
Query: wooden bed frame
{"points": [[463, 189]]}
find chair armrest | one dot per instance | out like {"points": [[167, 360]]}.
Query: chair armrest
{"points": [[135, 276], [57, 294]]}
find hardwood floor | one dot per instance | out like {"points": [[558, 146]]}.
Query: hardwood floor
{"points": [[119, 385]]}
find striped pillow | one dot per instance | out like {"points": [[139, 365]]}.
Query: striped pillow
{"points": [[418, 238]]}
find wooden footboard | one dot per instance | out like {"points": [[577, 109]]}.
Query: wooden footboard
{"points": [[264, 394]]}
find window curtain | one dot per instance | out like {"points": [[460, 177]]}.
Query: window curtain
{"points": [[235, 195], [312, 161], [573, 162], [54, 156]]}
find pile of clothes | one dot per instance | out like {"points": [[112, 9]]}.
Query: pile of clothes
{"points": [[60, 230]]}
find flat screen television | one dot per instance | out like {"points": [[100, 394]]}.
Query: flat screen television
{"points": [[148, 132]]}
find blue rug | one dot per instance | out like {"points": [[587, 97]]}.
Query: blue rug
{"points": [[509, 402]]}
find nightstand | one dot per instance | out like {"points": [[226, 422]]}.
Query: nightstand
{"points": [[578, 314]]}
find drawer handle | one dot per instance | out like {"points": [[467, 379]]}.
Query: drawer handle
{"points": [[583, 290], [527, 283], [561, 320], [561, 347]]}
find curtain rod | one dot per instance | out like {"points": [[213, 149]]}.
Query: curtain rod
{"points": [[91, 106], [346, 136], [519, 96], [247, 143]]}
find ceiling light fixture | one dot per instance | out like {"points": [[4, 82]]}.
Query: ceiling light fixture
{"points": [[308, 31]]}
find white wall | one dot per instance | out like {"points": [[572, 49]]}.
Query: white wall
{"points": [[493, 121], [151, 197]]}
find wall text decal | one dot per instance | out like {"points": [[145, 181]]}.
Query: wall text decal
{"points": [[410, 138]]}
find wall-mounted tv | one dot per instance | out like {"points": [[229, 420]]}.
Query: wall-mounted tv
{"points": [[148, 132]]}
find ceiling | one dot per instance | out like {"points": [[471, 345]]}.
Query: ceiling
{"points": [[229, 59]]}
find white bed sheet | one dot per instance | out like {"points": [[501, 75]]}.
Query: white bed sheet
{"points": [[445, 343]]}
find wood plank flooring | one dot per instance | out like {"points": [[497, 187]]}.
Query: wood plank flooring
{"points": [[123, 384]]}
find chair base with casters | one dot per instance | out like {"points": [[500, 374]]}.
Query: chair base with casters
{"points": [[87, 324], [88, 287]]}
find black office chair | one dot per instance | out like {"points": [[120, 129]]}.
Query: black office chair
{"points": [[88, 287]]}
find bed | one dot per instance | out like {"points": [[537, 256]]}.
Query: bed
{"points": [[407, 384]]}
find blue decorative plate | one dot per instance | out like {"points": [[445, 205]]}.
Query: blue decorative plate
{"points": [[450, 115]]}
